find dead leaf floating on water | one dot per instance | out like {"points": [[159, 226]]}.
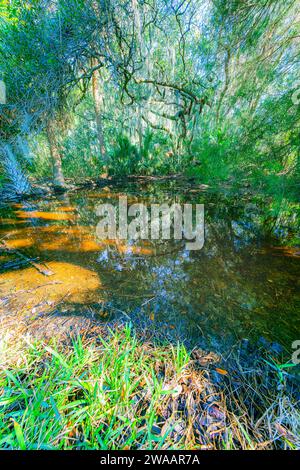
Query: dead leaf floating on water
{"points": [[221, 371]]}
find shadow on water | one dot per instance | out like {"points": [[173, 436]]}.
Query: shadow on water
{"points": [[244, 283]]}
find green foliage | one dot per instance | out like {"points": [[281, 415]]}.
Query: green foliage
{"points": [[114, 392], [80, 153], [152, 158], [125, 157], [16, 179], [218, 105], [86, 398], [213, 159]]}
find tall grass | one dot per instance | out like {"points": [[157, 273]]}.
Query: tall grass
{"points": [[118, 392]]}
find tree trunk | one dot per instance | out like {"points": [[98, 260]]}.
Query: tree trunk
{"points": [[226, 84], [98, 105], [137, 24], [140, 45], [58, 177]]}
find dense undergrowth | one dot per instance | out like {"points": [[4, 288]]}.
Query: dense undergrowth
{"points": [[116, 391], [221, 104]]}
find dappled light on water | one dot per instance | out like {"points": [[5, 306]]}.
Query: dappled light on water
{"points": [[27, 288], [243, 283], [44, 215], [77, 239]]}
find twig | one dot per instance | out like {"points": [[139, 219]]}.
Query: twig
{"points": [[46, 271]]}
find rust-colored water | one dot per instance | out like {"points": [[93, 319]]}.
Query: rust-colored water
{"points": [[243, 283]]}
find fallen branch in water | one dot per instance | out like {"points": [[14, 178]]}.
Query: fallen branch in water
{"points": [[39, 267]]}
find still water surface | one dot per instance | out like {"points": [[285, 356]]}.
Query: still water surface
{"points": [[244, 283]]}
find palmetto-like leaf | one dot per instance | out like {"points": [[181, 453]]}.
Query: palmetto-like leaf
{"points": [[18, 182]]}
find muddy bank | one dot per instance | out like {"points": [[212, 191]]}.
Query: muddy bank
{"points": [[46, 188]]}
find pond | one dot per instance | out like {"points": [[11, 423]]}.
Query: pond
{"points": [[243, 283]]}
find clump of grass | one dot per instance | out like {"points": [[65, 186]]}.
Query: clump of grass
{"points": [[119, 392]]}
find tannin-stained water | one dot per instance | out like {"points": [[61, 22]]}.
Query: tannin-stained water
{"points": [[244, 282]]}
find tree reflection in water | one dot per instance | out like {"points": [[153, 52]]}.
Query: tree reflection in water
{"points": [[243, 283]]}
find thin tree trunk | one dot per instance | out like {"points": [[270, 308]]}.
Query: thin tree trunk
{"points": [[140, 45], [58, 177], [226, 84], [98, 105]]}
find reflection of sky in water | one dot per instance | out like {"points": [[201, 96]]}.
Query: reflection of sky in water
{"points": [[236, 285], [103, 257]]}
